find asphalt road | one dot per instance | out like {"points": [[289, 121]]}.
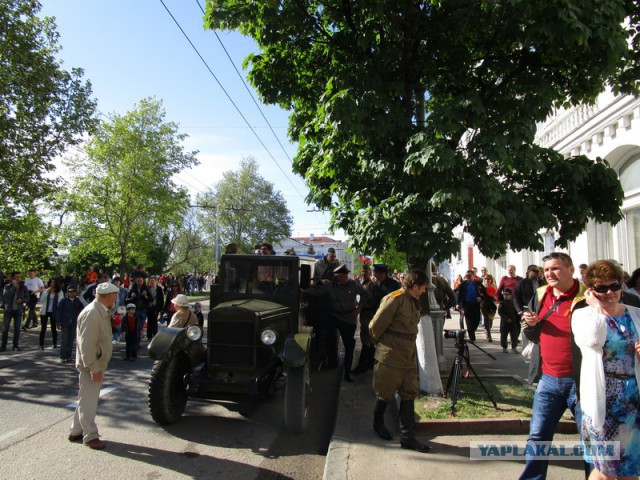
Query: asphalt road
{"points": [[212, 440]]}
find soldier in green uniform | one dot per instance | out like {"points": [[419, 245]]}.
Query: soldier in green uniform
{"points": [[394, 328]]}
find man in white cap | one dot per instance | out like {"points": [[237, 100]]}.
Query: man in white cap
{"points": [[94, 349], [183, 316]]}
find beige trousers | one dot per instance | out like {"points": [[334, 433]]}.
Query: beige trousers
{"points": [[84, 419]]}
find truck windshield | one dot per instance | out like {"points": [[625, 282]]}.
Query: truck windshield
{"points": [[256, 277]]}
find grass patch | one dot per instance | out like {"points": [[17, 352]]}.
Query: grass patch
{"points": [[513, 398]]}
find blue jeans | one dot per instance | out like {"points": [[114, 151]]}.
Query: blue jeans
{"points": [[16, 316], [553, 396]]}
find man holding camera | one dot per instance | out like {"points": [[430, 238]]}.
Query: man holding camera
{"points": [[548, 323], [395, 327]]}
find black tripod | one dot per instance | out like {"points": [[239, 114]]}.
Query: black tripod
{"points": [[456, 372]]}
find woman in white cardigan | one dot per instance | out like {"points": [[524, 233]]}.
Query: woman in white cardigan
{"points": [[607, 333]]}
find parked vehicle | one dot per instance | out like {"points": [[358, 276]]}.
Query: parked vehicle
{"points": [[255, 334]]}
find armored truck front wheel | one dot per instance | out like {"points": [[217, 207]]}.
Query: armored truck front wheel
{"points": [[296, 399], [167, 392]]}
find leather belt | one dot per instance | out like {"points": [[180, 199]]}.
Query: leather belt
{"points": [[405, 336]]}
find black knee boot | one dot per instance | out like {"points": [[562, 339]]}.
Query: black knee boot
{"points": [[407, 424], [363, 361], [378, 420]]}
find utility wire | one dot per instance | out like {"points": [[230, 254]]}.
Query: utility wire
{"points": [[247, 88], [229, 97]]}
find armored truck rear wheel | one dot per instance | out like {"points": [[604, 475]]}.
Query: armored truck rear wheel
{"points": [[167, 392], [296, 399]]}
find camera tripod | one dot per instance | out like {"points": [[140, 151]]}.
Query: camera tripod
{"points": [[456, 372]]}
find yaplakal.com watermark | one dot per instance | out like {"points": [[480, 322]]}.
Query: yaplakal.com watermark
{"points": [[543, 450]]}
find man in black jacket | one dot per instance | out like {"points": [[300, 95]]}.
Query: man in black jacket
{"points": [[525, 290], [15, 296], [140, 296]]}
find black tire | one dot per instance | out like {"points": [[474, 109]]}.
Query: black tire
{"points": [[296, 399], [167, 393]]}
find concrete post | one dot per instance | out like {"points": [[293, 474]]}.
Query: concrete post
{"points": [[428, 367]]}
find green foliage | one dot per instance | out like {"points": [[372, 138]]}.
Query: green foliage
{"points": [[26, 241], [246, 208], [191, 250], [123, 200], [414, 118], [43, 108]]}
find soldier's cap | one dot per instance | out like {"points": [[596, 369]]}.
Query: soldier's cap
{"points": [[105, 288], [331, 250], [341, 269], [130, 305], [381, 266], [71, 289], [197, 304]]}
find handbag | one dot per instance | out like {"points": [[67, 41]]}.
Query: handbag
{"points": [[526, 351]]}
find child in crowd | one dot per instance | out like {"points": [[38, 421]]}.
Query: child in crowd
{"points": [[130, 327], [508, 321], [197, 310]]}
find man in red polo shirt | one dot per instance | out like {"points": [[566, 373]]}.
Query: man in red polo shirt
{"points": [[548, 322]]}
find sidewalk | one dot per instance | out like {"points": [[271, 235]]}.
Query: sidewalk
{"points": [[356, 452]]}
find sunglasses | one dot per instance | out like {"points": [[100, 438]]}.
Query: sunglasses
{"points": [[614, 287]]}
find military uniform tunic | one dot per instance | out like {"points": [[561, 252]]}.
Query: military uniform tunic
{"points": [[394, 328]]}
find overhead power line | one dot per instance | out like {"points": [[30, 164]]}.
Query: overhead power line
{"points": [[229, 97], [247, 88]]}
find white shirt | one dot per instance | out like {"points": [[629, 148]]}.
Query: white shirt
{"points": [[33, 284]]}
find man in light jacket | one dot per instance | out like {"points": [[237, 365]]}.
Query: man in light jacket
{"points": [[94, 349]]}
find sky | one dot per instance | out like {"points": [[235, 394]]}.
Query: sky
{"points": [[133, 49]]}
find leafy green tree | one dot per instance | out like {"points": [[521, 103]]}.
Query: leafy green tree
{"points": [[246, 208], [123, 197], [43, 108], [26, 240], [190, 249], [416, 117]]}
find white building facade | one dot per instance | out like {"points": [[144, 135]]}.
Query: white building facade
{"points": [[610, 129]]}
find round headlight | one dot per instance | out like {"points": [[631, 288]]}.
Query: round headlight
{"points": [[194, 332], [268, 336]]}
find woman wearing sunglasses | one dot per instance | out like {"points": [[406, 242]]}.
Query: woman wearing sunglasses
{"points": [[607, 334]]}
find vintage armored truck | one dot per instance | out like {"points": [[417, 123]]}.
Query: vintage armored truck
{"points": [[255, 334]]}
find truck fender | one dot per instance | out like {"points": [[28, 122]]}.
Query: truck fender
{"points": [[169, 340], [296, 350]]}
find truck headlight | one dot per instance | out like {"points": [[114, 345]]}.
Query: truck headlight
{"points": [[268, 336], [194, 333]]}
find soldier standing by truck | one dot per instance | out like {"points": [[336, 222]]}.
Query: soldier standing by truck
{"points": [[394, 328]]}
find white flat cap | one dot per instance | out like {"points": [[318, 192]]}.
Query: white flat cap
{"points": [[105, 288]]}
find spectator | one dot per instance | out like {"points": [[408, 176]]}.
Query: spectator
{"points": [[197, 311], [14, 297], [140, 296], [50, 299], [155, 307], [92, 359], [509, 281], [607, 333], [509, 319], [183, 316], [35, 287], [488, 304], [469, 296], [66, 322], [130, 326], [549, 326]]}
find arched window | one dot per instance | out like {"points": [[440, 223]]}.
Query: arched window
{"points": [[630, 175]]}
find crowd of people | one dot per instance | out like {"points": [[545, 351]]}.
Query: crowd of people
{"points": [[55, 304]]}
